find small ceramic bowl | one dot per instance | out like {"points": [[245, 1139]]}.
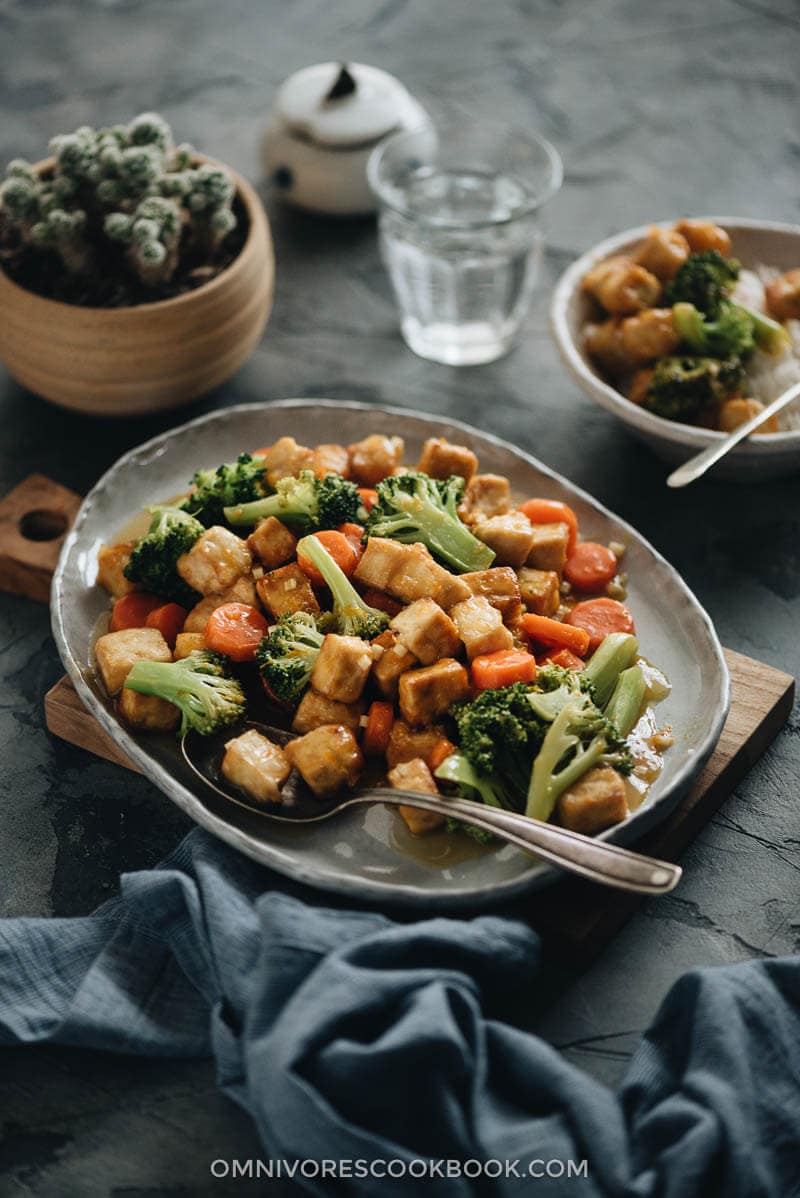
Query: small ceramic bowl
{"points": [[753, 242]]}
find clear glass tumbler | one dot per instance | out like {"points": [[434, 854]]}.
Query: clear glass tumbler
{"points": [[460, 234]]}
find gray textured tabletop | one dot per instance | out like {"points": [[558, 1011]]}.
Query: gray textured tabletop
{"points": [[659, 110]]}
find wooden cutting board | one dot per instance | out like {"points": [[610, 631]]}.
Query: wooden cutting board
{"points": [[576, 919]]}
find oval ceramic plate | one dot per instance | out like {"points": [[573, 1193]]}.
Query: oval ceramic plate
{"points": [[367, 853], [768, 242]]}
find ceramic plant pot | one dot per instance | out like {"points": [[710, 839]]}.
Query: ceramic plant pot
{"points": [[147, 357]]}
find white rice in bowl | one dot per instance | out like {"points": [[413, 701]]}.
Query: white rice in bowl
{"points": [[769, 375]]}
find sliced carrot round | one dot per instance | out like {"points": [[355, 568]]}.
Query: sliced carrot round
{"points": [[552, 511], [546, 631], [235, 630], [355, 535], [502, 668], [381, 600], [378, 729], [590, 567], [132, 610], [598, 618], [562, 657], [169, 620], [340, 549]]}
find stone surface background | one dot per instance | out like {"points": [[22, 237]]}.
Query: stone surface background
{"points": [[659, 110]]}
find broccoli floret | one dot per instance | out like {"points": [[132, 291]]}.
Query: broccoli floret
{"points": [[578, 738], [728, 335], [208, 699], [550, 677], [482, 835], [458, 769], [233, 483], [685, 388], [413, 507], [770, 336], [304, 502], [704, 280], [287, 655], [351, 616], [172, 532], [499, 733]]}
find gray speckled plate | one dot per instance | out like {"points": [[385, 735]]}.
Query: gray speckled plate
{"points": [[366, 853]]}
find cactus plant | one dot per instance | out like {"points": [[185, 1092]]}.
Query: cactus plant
{"points": [[127, 188]]}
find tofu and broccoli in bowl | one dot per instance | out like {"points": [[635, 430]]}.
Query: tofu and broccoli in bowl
{"points": [[413, 624]]}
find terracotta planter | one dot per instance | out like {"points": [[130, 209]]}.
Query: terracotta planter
{"points": [[127, 361]]}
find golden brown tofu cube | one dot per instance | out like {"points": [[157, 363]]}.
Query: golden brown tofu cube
{"points": [[147, 713], [242, 591], [315, 710], [407, 743], [271, 543], [480, 627], [215, 561], [408, 572], [342, 667], [702, 235], [256, 765], [286, 458], [594, 802], [415, 775], [487, 495], [426, 630], [509, 536], [111, 563], [499, 585], [330, 459], [328, 758], [188, 642], [662, 252], [549, 549], [621, 286], [736, 411], [427, 694], [440, 458], [374, 458], [539, 590], [391, 659], [116, 652], [286, 589]]}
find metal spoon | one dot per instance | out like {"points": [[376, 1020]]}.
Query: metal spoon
{"points": [[701, 462], [596, 860]]}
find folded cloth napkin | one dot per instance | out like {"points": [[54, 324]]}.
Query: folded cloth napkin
{"points": [[349, 1036]]}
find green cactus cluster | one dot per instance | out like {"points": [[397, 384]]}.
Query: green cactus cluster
{"points": [[129, 184]]}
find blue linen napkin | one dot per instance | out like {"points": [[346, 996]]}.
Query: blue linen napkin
{"points": [[350, 1036]]}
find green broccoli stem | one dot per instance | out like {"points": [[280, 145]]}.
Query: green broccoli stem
{"points": [[616, 652], [208, 700], [353, 616], [245, 515], [770, 336], [627, 699], [446, 536], [546, 785]]}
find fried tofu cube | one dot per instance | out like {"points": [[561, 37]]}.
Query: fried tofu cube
{"points": [[500, 586], [188, 642], [549, 548], [408, 572], [407, 743], [286, 589], [111, 563], [415, 775], [374, 458], [427, 694], [539, 590], [480, 627], [147, 713], [116, 652], [440, 458], [285, 458], [426, 630], [594, 802], [328, 758], [330, 459], [271, 543], [487, 495], [242, 591], [391, 659], [215, 561], [256, 765], [314, 710], [342, 667], [509, 536], [663, 252]]}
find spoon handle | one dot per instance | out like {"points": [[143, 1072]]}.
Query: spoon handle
{"points": [[703, 461], [596, 860]]}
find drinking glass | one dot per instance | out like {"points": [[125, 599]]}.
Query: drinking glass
{"points": [[460, 232]]}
